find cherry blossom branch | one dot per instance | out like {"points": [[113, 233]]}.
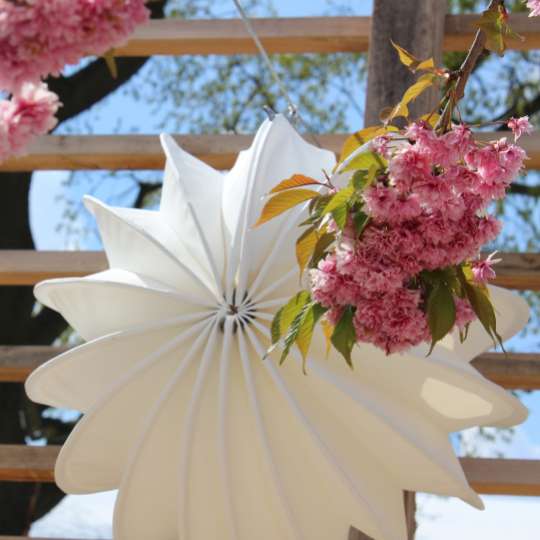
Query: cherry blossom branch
{"points": [[464, 72]]}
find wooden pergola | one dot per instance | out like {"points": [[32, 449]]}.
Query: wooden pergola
{"points": [[19, 463]]}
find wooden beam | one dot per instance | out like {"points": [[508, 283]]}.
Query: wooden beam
{"points": [[460, 30], [27, 267], [514, 371], [503, 476], [519, 271], [17, 362], [295, 35], [138, 152], [19, 463]]}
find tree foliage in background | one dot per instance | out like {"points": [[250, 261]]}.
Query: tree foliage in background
{"points": [[215, 94]]}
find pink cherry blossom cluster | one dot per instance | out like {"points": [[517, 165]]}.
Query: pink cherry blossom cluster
{"points": [[428, 212], [39, 37], [27, 114], [534, 6]]}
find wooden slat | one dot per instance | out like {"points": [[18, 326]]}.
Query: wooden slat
{"points": [[27, 463], [514, 371], [118, 152], [295, 35], [27, 267], [459, 31], [519, 271], [488, 476], [519, 371], [503, 476], [17, 362]]}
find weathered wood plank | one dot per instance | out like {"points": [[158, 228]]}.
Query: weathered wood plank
{"points": [[514, 371], [20, 463], [294, 35], [519, 271], [121, 152], [27, 267], [519, 371], [503, 476], [17, 362]]}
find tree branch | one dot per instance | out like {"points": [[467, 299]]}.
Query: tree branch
{"points": [[520, 109], [145, 188], [523, 189]]}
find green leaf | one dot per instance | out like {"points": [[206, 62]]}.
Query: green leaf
{"points": [[356, 140], [441, 313], [111, 63], [365, 161], [284, 201], [340, 216], [319, 252], [411, 61], [311, 314], [305, 245], [292, 334], [344, 336], [401, 109], [360, 221], [296, 180], [285, 316], [492, 23], [328, 330], [340, 198], [359, 180], [405, 56], [478, 296], [423, 83]]}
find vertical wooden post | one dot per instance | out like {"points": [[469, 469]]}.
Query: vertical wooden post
{"points": [[418, 26]]}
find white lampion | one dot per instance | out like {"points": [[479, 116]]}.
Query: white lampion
{"points": [[203, 438]]}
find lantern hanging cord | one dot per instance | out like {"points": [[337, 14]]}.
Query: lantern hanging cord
{"points": [[292, 108]]}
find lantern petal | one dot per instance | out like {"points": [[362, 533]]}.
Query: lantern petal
{"points": [[113, 300], [129, 233]]}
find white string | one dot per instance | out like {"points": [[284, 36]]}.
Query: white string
{"points": [[292, 108]]}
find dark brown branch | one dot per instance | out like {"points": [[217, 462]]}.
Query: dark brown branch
{"points": [[520, 109], [145, 189], [522, 189]]}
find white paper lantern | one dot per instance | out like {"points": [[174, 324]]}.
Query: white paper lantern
{"points": [[203, 438]]}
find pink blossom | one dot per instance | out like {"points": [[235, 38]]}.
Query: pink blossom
{"points": [[392, 321], [29, 113], [534, 6], [384, 204], [40, 37], [483, 270], [428, 212], [407, 166], [519, 126]]}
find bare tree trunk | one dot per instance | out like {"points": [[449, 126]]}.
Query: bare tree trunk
{"points": [[416, 25]]}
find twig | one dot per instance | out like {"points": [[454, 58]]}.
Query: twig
{"points": [[464, 72]]}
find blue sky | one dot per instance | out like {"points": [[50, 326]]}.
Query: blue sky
{"points": [[89, 516]]}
